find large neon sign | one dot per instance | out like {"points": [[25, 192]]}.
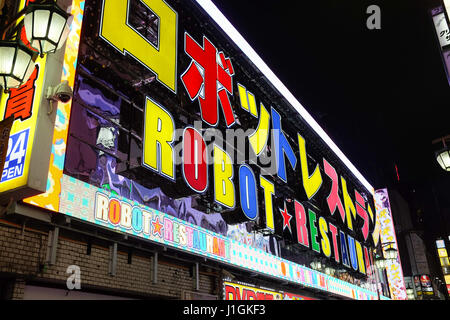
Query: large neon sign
{"points": [[154, 105], [235, 187]]}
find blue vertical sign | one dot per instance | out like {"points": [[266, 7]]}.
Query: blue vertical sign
{"points": [[15, 157]]}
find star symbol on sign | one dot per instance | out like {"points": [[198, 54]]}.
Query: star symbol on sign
{"points": [[157, 227], [286, 218]]}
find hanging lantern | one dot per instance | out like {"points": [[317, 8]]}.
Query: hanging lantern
{"points": [[391, 254], [380, 263], [46, 26], [443, 158], [16, 63]]}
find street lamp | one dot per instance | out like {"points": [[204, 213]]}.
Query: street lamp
{"points": [[46, 28], [443, 158], [443, 155], [391, 254], [16, 63], [380, 262]]}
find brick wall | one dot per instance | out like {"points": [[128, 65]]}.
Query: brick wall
{"points": [[23, 252]]}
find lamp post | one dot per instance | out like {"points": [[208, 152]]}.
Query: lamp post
{"points": [[391, 255], [379, 264], [46, 28]]}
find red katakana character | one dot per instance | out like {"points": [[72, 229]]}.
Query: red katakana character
{"points": [[333, 200], [361, 211], [209, 76]]}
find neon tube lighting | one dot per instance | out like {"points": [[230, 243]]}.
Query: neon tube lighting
{"points": [[237, 38]]}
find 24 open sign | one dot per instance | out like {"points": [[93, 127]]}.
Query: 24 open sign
{"points": [[15, 157]]}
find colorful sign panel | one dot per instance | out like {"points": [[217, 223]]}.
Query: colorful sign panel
{"points": [[292, 296], [389, 240], [240, 291], [5, 129], [27, 159], [443, 35], [50, 198], [89, 203], [235, 291], [441, 27], [444, 261], [153, 135], [84, 201], [22, 104], [426, 285], [147, 152], [447, 7], [417, 286]]}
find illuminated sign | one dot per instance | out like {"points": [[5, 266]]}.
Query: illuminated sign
{"points": [[92, 204], [235, 291], [5, 129], [15, 157], [237, 38], [28, 154], [292, 296], [440, 244], [417, 286], [447, 7], [184, 161], [147, 223], [441, 27], [394, 268], [172, 140], [442, 252], [440, 22], [50, 198], [97, 206], [444, 261], [240, 291], [23, 104], [426, 285]]}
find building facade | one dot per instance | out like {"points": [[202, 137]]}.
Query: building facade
{"points": [[182, 168]]}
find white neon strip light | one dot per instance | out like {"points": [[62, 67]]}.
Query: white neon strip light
{"points": [[447, 7], [231, 31]]}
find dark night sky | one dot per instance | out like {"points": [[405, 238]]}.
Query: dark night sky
{"points": [[381, 95]]}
